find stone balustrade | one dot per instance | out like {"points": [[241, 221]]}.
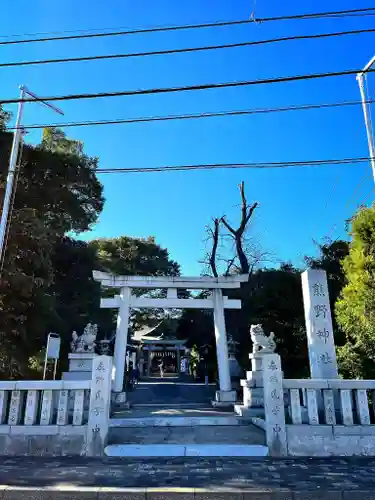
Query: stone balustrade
{"points": [[42, 402], [56, 417], [343, 402], [317, 417]]}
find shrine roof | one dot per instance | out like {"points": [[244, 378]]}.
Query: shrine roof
{"points": [[164, 332]]}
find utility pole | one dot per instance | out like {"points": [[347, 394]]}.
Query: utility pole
{"points": [[367, 113], [17, 138]]}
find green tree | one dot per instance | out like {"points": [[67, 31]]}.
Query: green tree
{"points": [[136, 256], [62, 188], [5, 116], [355, 309], [56, 193], [76, 295], [55, 140], [25, 280]]}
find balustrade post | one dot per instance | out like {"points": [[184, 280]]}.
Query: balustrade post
{"points": [[100, 400], [274, 405]]}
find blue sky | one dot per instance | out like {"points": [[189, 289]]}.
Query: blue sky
{"points": [[296, 205]]}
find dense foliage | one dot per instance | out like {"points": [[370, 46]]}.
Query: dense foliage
{"points": [[57, 192], [355, 310]]}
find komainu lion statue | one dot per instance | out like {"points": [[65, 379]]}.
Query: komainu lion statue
{"points": [[261, 342], [86, 341]]}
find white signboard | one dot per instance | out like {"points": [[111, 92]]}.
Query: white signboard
{"points": [[53, 346]]}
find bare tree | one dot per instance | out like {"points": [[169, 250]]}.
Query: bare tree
{"points": [[232, 248]]}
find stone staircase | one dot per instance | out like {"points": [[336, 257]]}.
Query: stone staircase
{"points": [[183, 430], [176, 419]]}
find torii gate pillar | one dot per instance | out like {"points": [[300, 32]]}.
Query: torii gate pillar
{"points": [[225, 395], [122, 328]]}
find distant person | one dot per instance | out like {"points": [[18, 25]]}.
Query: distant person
{"points": [[135, 375], [161, 367], [130, 374]]}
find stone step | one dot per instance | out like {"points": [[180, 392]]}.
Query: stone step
{"points": [[224, 434], [248, 413], [175, 421], [166, 405], [186, 450], [169, 392], [158, 411]]}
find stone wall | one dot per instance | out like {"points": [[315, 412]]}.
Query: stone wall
{"points": [[51, 440], [330, 440]]}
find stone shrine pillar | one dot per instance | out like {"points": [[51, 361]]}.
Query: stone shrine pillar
{"points": [[120, 345], [321, 344], [225, 396]]}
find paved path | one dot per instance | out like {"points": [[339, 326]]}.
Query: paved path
{"points": [[318, 475], [169, 392], [186, 479]]}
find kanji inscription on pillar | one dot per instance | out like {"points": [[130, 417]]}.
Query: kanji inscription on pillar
{"points": [[100, 397], [274, 404], [322, 353]]}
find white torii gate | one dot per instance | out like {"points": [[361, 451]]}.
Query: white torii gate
{"points": [[216, 301]]}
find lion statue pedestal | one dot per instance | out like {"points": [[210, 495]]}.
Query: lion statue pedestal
{"points": [[253, 398], [82, 354]]}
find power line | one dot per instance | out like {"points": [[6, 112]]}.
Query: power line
{"points": [[184, 50], [366, 198], [192, 116], [364, 177], [252, 165], [330, 197], [204, 86], [158, 29]]}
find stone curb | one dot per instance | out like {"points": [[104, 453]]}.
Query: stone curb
{"points": [[99, 493]]}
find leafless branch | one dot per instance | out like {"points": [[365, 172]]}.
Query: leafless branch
{"points": [[215, 242], [238, 234], [228, 249], [229, 265]]}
